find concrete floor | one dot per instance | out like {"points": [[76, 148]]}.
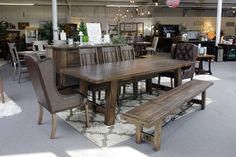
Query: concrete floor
{"points": [[208, 133]]}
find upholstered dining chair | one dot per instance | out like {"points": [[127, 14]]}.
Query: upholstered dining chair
{"points": [[1, 91], [43, 77], [152, 49], [182, 51], [18, 64]]}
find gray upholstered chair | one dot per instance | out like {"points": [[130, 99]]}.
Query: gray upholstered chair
{"points": [[18, 64], [182, 51], [43, 77], [152, 49]]}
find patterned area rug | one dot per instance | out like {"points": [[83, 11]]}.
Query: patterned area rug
{"points": [[106, 136], [9, 108]]}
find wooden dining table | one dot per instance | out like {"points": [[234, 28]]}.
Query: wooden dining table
{"points": [[112, 73], [39, 53]]}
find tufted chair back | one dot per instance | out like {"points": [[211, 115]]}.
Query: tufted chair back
{"points": [[188, 52]]}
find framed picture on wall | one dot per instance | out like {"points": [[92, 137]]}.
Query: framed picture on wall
{"points": [[22, 25], [113, 29]]}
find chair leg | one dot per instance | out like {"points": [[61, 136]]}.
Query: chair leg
{"points": [[19, 75], [94, 96], [171, 83], [99, 95], [1, 91], [124, 86], [71, 112], [14, 72], [40, 120], [87, 115], [54, 126]]}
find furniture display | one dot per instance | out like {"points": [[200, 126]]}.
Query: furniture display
{"points": [[112, 73], [182, 51], [19, 66], [153, 112], [1, 90], [42, 74], [152, 49], [201, 58]]}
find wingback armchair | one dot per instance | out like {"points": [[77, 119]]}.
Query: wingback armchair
{"points": [[182, 51], [43, 77]]}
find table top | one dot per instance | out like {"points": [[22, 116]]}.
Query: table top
{"points": [[40, 53], [205, 56], [107, 72], [142, 43]]}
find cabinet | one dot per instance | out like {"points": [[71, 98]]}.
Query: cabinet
{"points": [[130, 29]]}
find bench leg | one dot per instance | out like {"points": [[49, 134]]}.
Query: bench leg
{"points": [[203, 102], [157, 136], [139, 130]]}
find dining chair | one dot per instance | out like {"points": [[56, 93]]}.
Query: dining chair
{"points": [[40, 45], [1, 90], [110, 54], [128, 53], [182, 51], [43, 77], [152, 49], [89, 56], [18, 64]]}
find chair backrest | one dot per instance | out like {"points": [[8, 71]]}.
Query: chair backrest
{"points": [[127, 52], [40, 45], [154, 42], [110, 54], [43, 77], [88, 56], [187, 52], [13, 52]]}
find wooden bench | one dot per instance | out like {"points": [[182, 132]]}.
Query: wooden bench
{"points": [[154, 111]]}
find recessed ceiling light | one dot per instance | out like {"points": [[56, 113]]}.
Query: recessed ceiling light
{"points": [[16, 4]]}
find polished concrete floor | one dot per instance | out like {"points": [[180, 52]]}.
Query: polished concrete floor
{"points": [[208, 133]]}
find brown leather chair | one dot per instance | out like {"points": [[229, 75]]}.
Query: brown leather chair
{"points": [[182, 51], [43, 77]]}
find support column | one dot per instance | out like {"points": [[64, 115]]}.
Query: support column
{"points": [[218, 21], [54, 20]]}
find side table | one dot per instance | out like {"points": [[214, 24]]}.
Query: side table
{"points": [[201, 58]]}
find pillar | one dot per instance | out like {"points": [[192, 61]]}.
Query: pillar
{"points": [[218, 21], [54, 20]]}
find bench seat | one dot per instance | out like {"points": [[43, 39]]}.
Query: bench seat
{"points": [[154, 111]]}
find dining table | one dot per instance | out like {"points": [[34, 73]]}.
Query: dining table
{"points": [[112, 73], [140, 47], [41, 54]]}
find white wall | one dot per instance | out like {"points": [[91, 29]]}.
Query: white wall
{"points": [[36, 14]]}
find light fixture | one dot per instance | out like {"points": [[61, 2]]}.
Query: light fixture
{"points": [[136, 9], [156, 4], [30, 4], [148, 12], [122, 6]]}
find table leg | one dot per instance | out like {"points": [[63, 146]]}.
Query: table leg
{"points": [[178, 77], [149, 86], [111, 102], [209, 66], [83, 87]]}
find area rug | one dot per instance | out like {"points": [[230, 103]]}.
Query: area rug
{"points": [[9, 108], [106, 136]]}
